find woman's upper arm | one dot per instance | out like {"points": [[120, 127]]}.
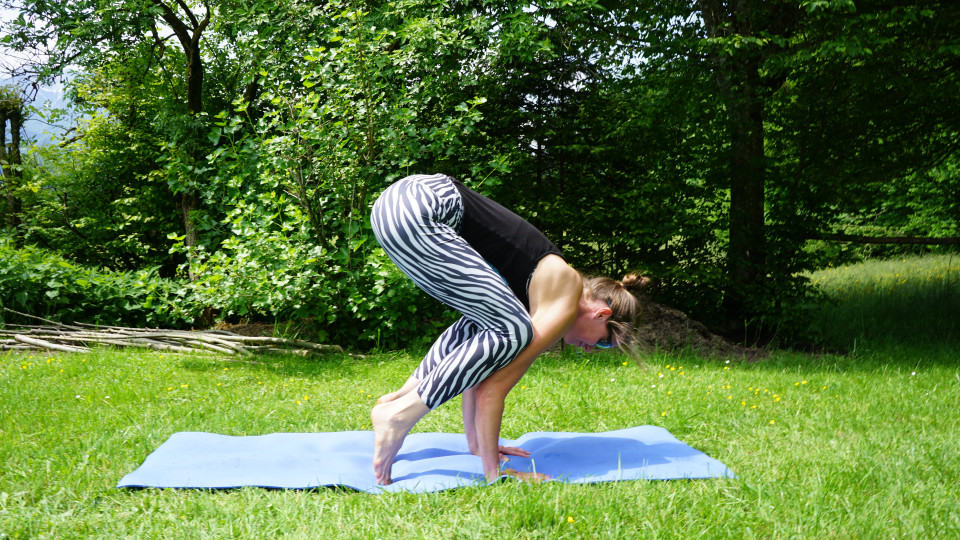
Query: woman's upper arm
{"points": [[554, 303], [554, 296]]}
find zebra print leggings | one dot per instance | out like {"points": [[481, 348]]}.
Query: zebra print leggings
{"points": [[416, 220]]}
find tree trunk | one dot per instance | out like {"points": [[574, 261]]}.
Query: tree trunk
{"points": [[746, 254], [738, 81], [12, 111], [194, 77], [189, 30], [4, 170], [188, 202]]}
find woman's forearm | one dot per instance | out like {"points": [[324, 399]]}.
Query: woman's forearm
{"points": [[549, 324], [469, 419], [489, 415]]}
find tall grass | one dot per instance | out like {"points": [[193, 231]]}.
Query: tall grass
{"points": [[857, 446], [903, 301]]}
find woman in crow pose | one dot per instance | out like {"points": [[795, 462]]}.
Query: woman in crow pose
{"points": [[516, 293]]}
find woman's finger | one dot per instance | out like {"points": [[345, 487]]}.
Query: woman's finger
{"points": [[514, 451]]}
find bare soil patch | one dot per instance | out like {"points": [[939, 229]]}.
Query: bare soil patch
{"points": [[667, 329]]}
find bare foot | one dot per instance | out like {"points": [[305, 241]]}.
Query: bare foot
{"points": [[388, 438], [407, 387], [391, 423]]}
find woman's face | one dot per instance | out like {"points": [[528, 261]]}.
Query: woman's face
{"points": [[589, 327]]}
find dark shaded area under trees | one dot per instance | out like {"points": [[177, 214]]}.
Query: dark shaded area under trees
{"points": [[233, 148]]}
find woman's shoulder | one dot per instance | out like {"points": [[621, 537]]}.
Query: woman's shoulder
{"points": [[554, 281], [554, 266]]}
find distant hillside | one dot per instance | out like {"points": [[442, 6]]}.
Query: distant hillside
{"points": [[49, 97]]}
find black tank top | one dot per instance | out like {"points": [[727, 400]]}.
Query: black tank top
{"points": [[508, 242]]}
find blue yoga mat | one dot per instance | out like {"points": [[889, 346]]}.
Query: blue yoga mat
{"points": [[426, 461]]}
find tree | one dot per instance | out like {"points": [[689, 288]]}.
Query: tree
{"points": [[91, 34], [822, 100], [188, 30], [11, 163], [737, 70], [705, 142], [100, 199]]}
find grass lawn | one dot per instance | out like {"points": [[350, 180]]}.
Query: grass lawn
{"points": [[863, 445]]}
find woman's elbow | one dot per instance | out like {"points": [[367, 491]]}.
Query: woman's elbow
{"points": [[491, 392]]}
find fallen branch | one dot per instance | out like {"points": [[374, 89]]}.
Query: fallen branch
{"points": [[79, 337], [42, 344]]}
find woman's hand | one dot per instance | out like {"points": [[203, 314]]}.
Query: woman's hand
{"points": [[531, 477], [506, 451]]}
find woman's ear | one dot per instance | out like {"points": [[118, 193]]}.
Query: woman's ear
{"points": [[603, 313]]}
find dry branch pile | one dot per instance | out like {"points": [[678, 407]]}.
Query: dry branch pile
{"points": [[79, 337]]}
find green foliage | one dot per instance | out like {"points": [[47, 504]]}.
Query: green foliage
{"points": [[298, 187], [860, 119], [259, 276], [98, 201], [618, 128], [830, 105], [39, 283], [922, 205]]}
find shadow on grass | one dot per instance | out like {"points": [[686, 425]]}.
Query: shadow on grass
{"points": [[339, 365], [926, 317], [890, 304]]}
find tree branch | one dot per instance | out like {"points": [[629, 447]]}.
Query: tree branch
{"points": [[900, 240]]}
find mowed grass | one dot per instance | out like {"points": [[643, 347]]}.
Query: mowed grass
{"points": [[863, 445]]}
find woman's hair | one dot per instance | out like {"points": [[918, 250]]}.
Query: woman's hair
{"points": [[623, 303]]}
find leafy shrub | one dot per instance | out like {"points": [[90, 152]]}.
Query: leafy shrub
{"points": [[356, 299], [255, 277], [39, 283]]}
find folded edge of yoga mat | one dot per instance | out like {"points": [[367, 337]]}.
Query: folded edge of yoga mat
{"points": [[426, 461]]}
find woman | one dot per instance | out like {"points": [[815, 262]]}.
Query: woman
{"points": [[517, 296]]}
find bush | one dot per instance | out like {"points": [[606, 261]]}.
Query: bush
{"points": [[39, 283], [356, 299], [262, 278]]}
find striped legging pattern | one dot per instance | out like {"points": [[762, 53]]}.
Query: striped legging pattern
{"points": [[416, 220]]}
